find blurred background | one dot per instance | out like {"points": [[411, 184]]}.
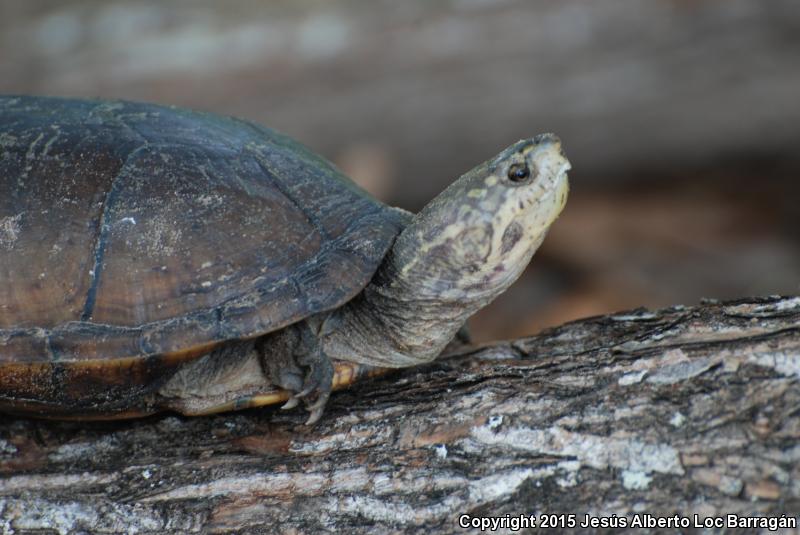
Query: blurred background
{"points": [[681, 117]]}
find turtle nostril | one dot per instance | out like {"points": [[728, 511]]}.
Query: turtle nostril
{"points": [[547, 138]]}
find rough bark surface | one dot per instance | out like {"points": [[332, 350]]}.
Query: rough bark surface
{"points": [[678, 411]]}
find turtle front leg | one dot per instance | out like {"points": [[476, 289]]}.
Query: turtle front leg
{"points": [[294, 360]]}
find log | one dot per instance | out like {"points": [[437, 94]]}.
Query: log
{"points": [[409, 95], [670, 413]]}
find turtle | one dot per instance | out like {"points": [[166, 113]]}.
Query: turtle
{"points": [[155, 258]]}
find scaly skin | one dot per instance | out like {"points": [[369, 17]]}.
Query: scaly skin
{"points": [[460, 252]]}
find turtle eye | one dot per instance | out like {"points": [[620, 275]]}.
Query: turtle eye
{"points": [[518, 172]]}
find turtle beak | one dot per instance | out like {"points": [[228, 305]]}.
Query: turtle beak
{"points": [[562, 190], [559, 166]]}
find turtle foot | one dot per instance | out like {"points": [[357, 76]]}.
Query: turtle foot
{"points": [[316, 385], [316, 389], [298, 364]]}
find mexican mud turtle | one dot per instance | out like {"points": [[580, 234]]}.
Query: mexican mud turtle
{"points": [[154, 258]]}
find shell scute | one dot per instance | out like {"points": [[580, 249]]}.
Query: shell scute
{"points": [[130, 231]]}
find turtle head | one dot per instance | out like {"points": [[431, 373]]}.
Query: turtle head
{"points": [[514, 198], [477, 236], [460, 252]]}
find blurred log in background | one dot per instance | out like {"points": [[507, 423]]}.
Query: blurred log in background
{"points": [[681, 117]]}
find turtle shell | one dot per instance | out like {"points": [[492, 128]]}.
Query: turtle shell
{"points": [[134, 237]]}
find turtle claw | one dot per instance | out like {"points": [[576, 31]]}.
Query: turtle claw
{"points": [[306, 391], [291, 403], [317, 408], [314, 417], [317, 385]]}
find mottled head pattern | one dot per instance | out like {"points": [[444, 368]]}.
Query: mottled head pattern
{"points": [[477, 236]]}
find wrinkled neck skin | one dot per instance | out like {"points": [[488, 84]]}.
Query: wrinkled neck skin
{"points": [[459, 253], [407, 314]]}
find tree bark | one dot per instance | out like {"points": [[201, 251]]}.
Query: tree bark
{"points": [[682, 411]]}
